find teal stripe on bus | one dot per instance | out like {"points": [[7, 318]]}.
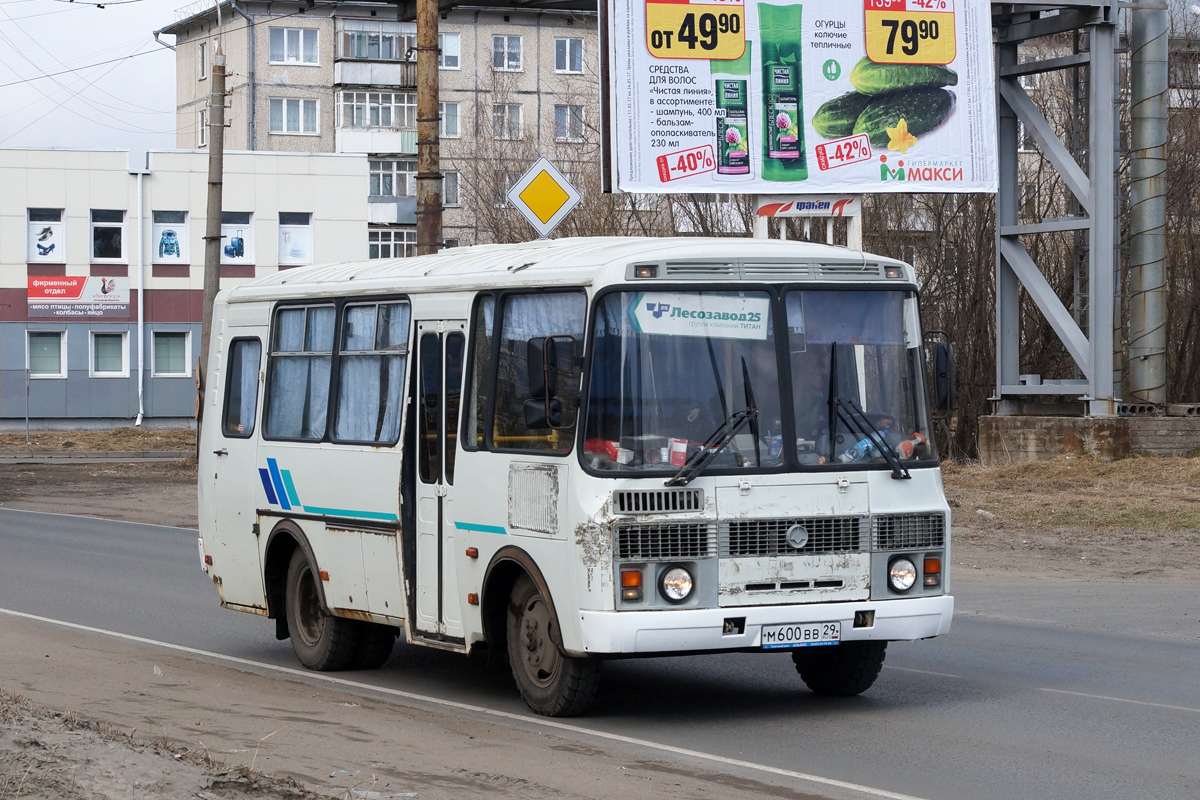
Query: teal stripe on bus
{"points": [[471, 526], [345, 512]]}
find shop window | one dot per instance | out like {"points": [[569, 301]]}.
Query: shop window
{"points": [[295, 238], [108, 235], [171, 354], [109, 355], [46, 356]]}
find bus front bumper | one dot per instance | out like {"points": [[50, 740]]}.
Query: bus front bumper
{"points": [[689, 630]]}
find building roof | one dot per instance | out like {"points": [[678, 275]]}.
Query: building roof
{"points": [[572, 261]]}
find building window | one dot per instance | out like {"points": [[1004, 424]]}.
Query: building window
{"points": [[506, 121], [448, 122], [202, 128], [568, 55], [46, 236], [391, 243], [450, 189], [202, 60], [170, 243], [237, 237], [393, 178], [568, 123], [1027, 200], [108, 235], [171, 354], [293, 115], [378, 40], [1031, 80], [1024, 139], [500, 186], [448, 51], [109, 355], [46, 354], [506, 53], [295, 238], [379, 110], [293, 45]]}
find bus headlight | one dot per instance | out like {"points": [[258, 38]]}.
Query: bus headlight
{"points": [[675, 584], [902, 574]]}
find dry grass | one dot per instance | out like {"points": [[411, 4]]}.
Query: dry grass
{"points": [[128, 439], [1142, 492]]}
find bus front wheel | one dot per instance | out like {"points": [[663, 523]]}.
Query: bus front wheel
{"points": [[322, 642], [842, 670], [551, 683]]}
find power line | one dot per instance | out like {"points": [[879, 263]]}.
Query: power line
{"points": [[79, 69]]}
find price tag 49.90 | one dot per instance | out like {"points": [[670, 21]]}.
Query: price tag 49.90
{"points": [[910, 31], [711, 29]]}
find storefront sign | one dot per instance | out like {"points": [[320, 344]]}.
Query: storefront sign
{"points": [[77, 296], [833, 96]]}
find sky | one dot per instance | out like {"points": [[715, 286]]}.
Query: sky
{"points": [[125, 104]]}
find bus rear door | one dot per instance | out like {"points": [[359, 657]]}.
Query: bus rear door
{"points": [[441, 346]]}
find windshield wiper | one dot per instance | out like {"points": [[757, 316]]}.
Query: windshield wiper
{"points": [[714, 444], [859, 423]]}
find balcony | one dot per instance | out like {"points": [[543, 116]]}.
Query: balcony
{"points": [[375, 140], [353, 72]]}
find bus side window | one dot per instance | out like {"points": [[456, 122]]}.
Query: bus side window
{"points": [[482, 327], [298, 373], [241, 388], [525, 317]]}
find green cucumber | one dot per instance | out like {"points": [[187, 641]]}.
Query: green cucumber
{"points": [[836, 117], [875, 79], [922, 109]]}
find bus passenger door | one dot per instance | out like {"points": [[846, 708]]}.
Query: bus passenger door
{"points": [[441, 347]]}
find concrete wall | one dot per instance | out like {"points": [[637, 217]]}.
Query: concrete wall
{"points": [[1004, 440]]}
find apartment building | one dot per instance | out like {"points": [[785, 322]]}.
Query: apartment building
{"points": [[514, 84], [102, 269]]}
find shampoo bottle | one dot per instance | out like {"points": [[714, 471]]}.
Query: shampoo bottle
{"points": [[782, 92], [731, 85]]}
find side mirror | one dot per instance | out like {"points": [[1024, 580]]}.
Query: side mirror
{"points": [[542, 356], [943, 376], [541, 414]]}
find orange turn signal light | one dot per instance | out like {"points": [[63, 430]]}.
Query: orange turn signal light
{"points": [[472, 552], [933, 566], [324, 575], [208, 560], [473, 599], [631, 578]]}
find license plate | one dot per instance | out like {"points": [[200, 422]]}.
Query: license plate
{"points": [[810, 634]]}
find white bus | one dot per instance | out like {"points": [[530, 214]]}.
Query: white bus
{"points": [[566, 451]]}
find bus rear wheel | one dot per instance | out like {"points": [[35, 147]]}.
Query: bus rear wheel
{"points": [[550, 682], [842, 670], [375, 643], [321, 641]]}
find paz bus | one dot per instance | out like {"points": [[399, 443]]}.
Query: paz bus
{"points": [[574, 450]]}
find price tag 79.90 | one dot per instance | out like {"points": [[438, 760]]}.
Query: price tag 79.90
{"points": [[710, 29], [910, 31]]}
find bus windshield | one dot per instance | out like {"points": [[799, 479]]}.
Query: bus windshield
{"points": [[670, 368]]}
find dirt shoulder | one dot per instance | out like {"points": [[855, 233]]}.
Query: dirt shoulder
{"points": [[184, 727]]}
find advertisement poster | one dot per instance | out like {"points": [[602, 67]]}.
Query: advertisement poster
{"points": [[77, 296], [815, 96], [46, 243]]}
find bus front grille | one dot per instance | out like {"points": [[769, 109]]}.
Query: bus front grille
{"points": [[658, 501], [769, 537], [908, 531], [658, 541]]}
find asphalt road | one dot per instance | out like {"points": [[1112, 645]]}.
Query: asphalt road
{"points": [[1042, 690]]}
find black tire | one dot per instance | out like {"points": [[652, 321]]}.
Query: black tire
{"points": [[551, 683], [842, 670], [322, 642], [375, 643]]}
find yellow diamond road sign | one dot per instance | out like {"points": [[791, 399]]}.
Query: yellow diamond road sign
{"points": [[544, 196]]}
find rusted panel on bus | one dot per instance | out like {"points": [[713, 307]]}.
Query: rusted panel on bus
{"points": [[594, 542]]}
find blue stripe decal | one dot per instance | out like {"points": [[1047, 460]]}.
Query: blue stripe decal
{"points": [[291, 488], [471, 526], [344, 512], [278, 481], [267, 487]]}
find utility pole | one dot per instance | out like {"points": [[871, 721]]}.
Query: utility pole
{"points": [[212, 228], [429, 169]]}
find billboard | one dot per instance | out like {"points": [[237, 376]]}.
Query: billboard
{"points": [[77, 296], [819, 96]]}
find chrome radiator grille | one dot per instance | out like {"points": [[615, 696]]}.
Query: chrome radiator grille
{"points": [[657, 541], [768, 537], [908, 531]]}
